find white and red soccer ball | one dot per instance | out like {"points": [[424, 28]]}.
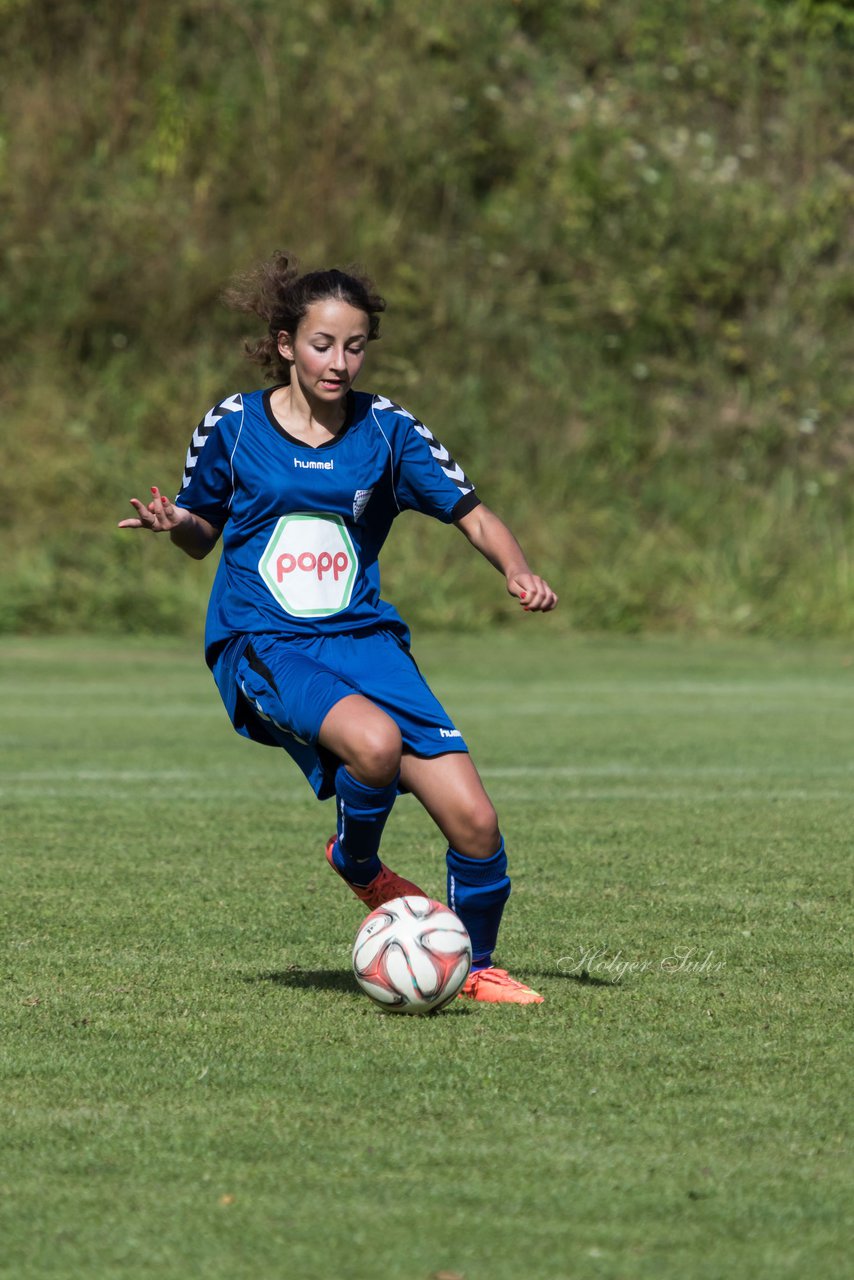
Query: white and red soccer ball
{"points": [[412, 955]]}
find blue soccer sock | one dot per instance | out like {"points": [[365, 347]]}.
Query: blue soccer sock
{"points": [[477, 891], [362, 813]]}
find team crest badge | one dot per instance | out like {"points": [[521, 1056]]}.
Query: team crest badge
{"points": [[361, 498]]}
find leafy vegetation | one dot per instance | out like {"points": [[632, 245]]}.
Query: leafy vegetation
{"points": [[614, 239]]}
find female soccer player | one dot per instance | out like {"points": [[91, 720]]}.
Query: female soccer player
{"points": [[302, 481]]}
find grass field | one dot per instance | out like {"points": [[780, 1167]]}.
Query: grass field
{"points": [[192, 1085]]}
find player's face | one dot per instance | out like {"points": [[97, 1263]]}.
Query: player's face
{"points": [[328, 349]]}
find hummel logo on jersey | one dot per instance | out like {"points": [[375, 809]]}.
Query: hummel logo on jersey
{"points": [[314, 466]]}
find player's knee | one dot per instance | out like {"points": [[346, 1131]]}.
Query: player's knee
{"points": [[479, 833], [376, 754]]}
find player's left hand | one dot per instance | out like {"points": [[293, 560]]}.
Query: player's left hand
{"points": [[533, 593]]}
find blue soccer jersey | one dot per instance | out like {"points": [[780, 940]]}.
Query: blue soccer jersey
{"points": [[302, 527]]}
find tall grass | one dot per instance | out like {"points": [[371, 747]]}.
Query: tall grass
{"points": [[614, 240]]}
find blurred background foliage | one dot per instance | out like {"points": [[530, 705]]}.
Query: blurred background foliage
{"points": [[614, 238]]}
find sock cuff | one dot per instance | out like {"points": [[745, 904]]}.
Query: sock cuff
{"points": [[478, 871], [360, 795]]}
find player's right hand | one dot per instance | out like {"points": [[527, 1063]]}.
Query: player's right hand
{"points": [[160, 515]]}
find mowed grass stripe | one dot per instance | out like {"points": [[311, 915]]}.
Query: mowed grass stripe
{"points": [[531, 773]]}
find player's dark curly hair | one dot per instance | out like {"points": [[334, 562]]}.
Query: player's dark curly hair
{"points": [[280, 294]]}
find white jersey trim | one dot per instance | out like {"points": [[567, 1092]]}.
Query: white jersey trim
{"points": [[380, 402]]}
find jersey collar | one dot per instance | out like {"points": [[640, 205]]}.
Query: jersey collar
{"points": [[349, 414]]}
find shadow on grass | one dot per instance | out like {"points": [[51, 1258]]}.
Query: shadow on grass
{"points": [[584, 980], [338, 980], [310, 979], [342, 980]]}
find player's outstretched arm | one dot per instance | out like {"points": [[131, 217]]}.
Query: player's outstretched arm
{"points": [[188, 531], [491, 537]]}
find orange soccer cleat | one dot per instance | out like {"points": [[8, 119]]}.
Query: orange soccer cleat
{"points": [[384, 886], [495, 986]]}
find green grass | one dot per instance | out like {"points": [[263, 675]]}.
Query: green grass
{"points": [[193, 1086]]}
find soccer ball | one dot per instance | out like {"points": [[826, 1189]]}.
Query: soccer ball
{"points": [[411, 955]]}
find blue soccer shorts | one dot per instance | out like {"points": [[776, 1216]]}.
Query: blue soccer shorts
{"points": [[279, 692]]}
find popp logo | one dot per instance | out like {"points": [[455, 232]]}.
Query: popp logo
{"points": [[309, 565], [308, 562]]}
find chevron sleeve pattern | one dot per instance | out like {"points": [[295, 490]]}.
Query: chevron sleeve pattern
{"points": [[427, 477], [207, 485], [446, 463], [231, 404]]}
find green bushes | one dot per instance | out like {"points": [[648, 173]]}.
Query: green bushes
{"points": [[615, 244]]}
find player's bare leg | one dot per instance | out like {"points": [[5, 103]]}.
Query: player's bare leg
{"points": [[361, 735], [450, 789], [368, 743]]}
